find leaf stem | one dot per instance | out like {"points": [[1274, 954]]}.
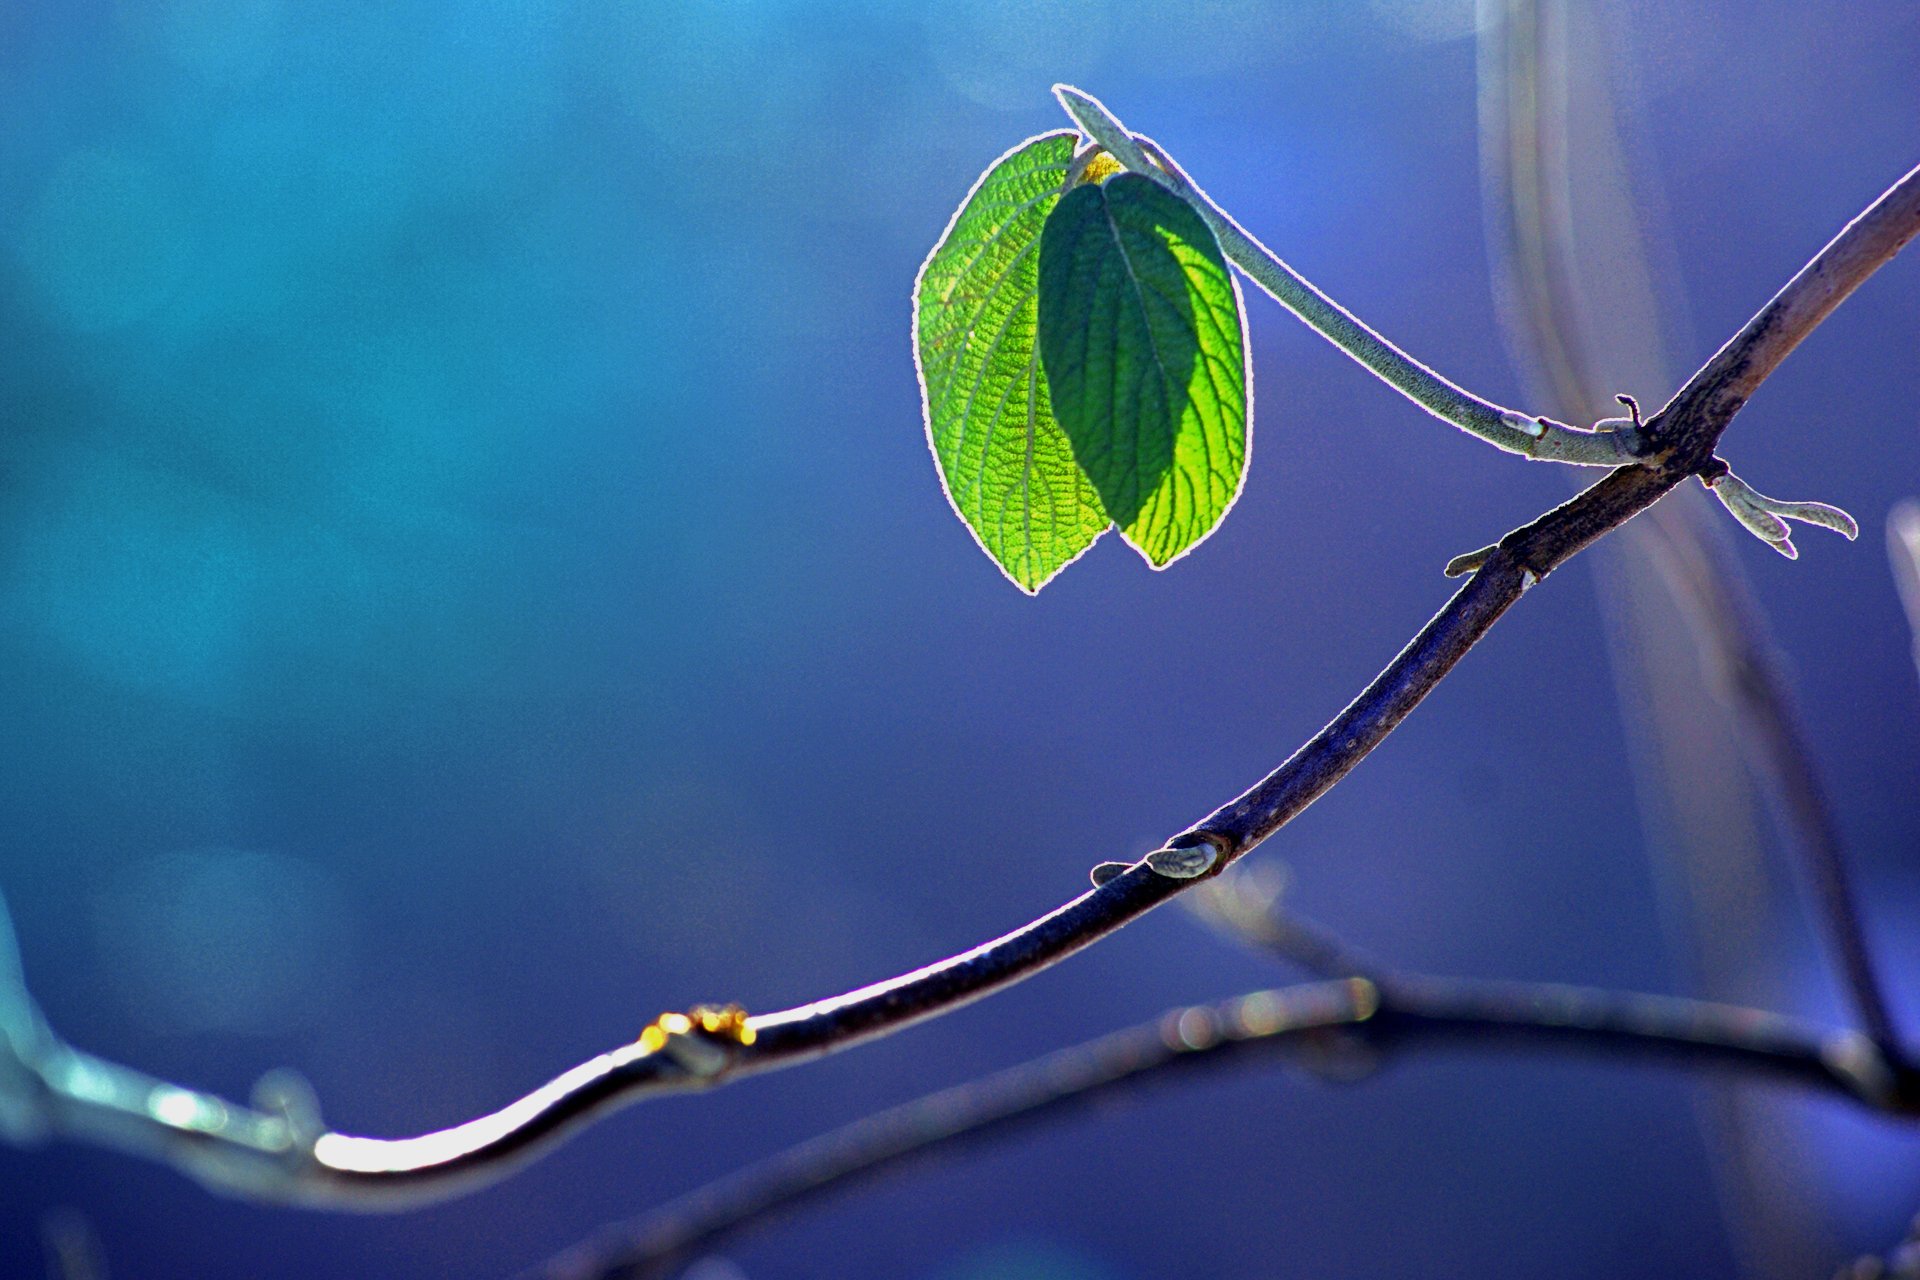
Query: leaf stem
{"points": [[1616, 443]]}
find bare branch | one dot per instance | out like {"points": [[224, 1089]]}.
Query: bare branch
{"points": [[1728, 380]]}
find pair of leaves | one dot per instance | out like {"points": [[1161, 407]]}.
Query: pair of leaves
{"points": [[1082, 360]]}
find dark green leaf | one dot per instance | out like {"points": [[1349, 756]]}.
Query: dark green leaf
{"points": [[1142, 338], [1006, 466]]}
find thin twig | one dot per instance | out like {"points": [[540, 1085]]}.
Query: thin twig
{"points": [[1508, 429], [1738, 652], [264, 1156]]}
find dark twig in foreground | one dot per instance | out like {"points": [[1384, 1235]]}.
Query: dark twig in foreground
{"points": [[282, 1155]]}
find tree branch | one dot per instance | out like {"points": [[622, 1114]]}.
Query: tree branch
{"points": [[1354, 1016], [272, 1157]]}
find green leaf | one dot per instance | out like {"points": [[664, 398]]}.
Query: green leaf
{"points": [[1004, 462], [1143, 341]]}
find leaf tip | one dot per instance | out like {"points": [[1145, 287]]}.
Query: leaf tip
{"points": [[1081, 105]]}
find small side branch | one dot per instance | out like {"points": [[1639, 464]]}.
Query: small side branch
{"points": [[1614, 443]]}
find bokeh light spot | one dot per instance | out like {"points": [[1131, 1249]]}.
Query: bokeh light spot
{"points": [[143, 580]]}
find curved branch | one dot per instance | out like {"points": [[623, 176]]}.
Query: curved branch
{"points": [[278, 1156], [1345, 1018], [1501, 427]]}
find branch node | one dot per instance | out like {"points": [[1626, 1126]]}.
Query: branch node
{"points": [[1189, 856], [703, 1040], [1461, 566], [1091, 165]]}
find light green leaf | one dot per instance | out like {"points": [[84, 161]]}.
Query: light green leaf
{"points": [[1006, 465], [1143, 341]]}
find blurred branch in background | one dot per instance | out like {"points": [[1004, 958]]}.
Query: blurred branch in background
{"points": [[1527, 181], [1903, 548], [1341, 1028], [1584, 318]]}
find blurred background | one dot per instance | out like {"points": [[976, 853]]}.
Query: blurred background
{"points": [[472, 577]]}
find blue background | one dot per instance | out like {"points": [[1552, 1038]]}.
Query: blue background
{"points": [[471, 577]]}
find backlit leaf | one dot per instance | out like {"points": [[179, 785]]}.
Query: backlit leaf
{"points": [[1006, 466], [1143, 342]]}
